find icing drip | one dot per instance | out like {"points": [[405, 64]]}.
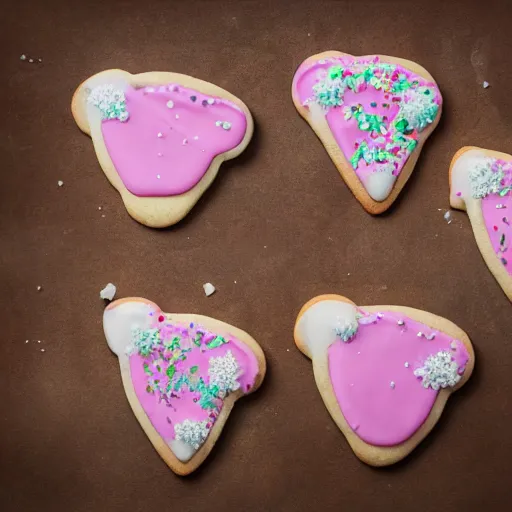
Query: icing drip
{"points": [[110, 101], [439, 371], [193, 433]]}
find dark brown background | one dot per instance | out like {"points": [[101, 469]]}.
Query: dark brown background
{"points": [[278, 220]]}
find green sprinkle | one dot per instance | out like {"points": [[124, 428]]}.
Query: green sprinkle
{"points": [[502, 239], [194, 369], [217, 342], [199, 337], [147, 370], [401, 125], [149, 389], [505, 191], [335, 72], [170, 371]]}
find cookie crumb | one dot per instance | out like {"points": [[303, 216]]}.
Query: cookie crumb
{"points": [[485, 84], [209, 289], [60, 183], [448, 217], [108, 292]]}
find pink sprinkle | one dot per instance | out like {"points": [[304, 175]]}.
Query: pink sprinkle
{"points": [[495, 228], [459, 194]]}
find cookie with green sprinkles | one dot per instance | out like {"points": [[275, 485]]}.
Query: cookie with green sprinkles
{"points": [[481, 185], [373, 115], [182, 375]]}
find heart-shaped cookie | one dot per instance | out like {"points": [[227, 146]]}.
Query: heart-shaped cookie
{"points": [[182, 375], [372, 114], [160, 137], [481, 184], [384, 372]]}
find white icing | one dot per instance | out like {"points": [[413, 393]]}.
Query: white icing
{"points": [[224, 372], [120, 321], [460, 173], [182, 450], [317, 327], [379, 184]]}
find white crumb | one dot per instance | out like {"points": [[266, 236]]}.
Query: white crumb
{"points": [[60, 183], [287, 350], [108, 292], [40, 60], [39, 288], [26, 341], [23, 57], [234, 282], [31, 60], [42, 350], [99, 207], [485, 84], [38, 341], [103, 216], [448, 217], [209, 289]]}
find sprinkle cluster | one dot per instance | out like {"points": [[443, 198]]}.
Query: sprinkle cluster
{"points": [[224, 372], [347, 330], [490, 176], [110, 101], [439, 371], [192, 432], [391, 139]]}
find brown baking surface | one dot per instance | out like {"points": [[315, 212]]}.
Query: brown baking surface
{"points": [[278, 220]]}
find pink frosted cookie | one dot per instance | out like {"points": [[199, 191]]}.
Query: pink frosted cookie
{"points": [[481, 184], [182, 375], [372, 114], [384, 372], [160, 137]]}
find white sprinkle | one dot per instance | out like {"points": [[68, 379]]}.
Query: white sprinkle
{"points": [[108, 292], [448, 217], [60, 183], [420, 334], [23, 57], [39, 288], [406, 364], [210, 101], [218, 123], [500, 206], [392, 384], [485, 85], [400, 322], [185, 142], [160, 135], [159, 154], [209, 289], [359, 353], [42, 350], [170, 104], [158, 176], [196, 137], [453, 345], [177, 116], [31, 60], [430, 336]]}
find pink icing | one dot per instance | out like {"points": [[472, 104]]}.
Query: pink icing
{"points": [[497, 222], [182, 405], [172, 164], [347, 134], [363, 369]]}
